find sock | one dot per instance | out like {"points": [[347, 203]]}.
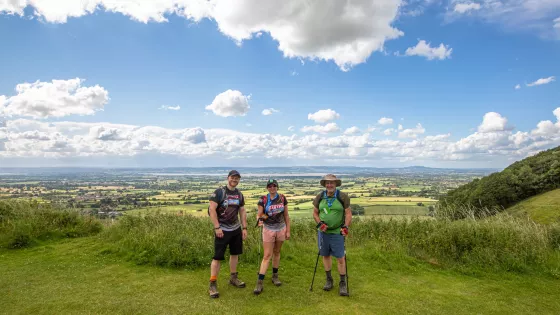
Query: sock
{"points": [[261, 276], [213, 278], [274, 270], [342, 278], [328, 274], [233, 273]]}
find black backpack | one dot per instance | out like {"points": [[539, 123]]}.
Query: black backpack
{"points": [[221, 196]]}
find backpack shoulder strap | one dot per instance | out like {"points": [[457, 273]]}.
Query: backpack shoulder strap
{"points": [[339, 197], [223, 196]]}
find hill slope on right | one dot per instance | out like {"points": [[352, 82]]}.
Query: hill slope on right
{"points": [[524, 179], [543, 208]]}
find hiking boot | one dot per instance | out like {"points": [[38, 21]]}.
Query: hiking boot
{"points": [[343, 288], [233, 280], [213, 289], [259, 288], [329, 284], [275, 280]]}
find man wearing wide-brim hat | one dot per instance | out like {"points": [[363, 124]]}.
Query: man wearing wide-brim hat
{"points": [[333, 215]]}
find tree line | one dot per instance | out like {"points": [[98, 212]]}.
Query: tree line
{"points": [[523, 179]]}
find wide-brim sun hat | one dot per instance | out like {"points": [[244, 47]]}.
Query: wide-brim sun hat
{"points": [[330, 177]]}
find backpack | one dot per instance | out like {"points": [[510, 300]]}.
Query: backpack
{"points": [[324, 193], [221, 197], [264, 200]]}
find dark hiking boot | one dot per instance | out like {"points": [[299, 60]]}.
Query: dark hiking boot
{"points": [[213, 290], [343, 288], [329, 284], [275, 280], [233, 280], [259, 288]]}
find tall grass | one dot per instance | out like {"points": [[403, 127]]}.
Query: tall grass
{"points": [[25, 223], [496, 243]]}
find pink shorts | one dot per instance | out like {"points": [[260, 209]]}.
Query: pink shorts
{"points": [[274, 236]]}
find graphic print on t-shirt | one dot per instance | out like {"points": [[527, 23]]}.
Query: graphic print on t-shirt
{"points": [[228, 211]]}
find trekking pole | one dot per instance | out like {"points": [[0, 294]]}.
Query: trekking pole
{"points": [[259, 242], [346, 265], [317, 261]]}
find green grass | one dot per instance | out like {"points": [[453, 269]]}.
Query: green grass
{"points": [[77, 277], [543, 208]]}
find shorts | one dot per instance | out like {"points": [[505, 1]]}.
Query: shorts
{"points": [[273, 236], [331, 244], [232, 238]]}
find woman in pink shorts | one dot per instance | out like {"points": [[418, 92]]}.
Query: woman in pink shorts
{"points": [[273, 217]]}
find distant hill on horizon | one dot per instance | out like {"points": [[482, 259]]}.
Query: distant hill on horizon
{"points": [[352, 170]]}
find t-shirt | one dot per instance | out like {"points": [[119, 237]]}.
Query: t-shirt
{"points": [[332, 215], [229, 210], [275, 211]]}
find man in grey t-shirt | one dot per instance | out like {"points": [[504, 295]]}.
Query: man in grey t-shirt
{"points": [[226, 204]]}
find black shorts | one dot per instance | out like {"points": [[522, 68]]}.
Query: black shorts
{"points": [[232, 238]]}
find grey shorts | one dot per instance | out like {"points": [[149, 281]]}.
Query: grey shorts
{"points": [[330, 244]]}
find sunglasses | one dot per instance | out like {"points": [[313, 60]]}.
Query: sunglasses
{"points": [[271, 185]]}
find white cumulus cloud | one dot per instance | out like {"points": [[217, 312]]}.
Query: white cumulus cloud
{"points": [[412, 132], [230, 103], [542, 81], [385, 121], [323, 115], [352, 130], [328, 128], [355, 29], [492, 122], [518, 86], [57, 98], [291, 128], [269, 111], [425, 50], [35, 141], [466, 7]]}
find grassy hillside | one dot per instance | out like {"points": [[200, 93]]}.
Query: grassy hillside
{"points": [[543, 208], [498, 191], [76, 277], [158, 264]]}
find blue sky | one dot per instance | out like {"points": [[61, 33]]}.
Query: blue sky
{"points": [[454, 103]]}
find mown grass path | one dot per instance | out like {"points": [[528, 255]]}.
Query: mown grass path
{"points": [[74, 277]]}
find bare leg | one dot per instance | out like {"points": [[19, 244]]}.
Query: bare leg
{"points": [[276, 251], [268, 249], [233, 263], [341, 266], [327, 262], [215, 268]]}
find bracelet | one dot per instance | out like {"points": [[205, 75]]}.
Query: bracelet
{"points": [[245, 228], [217, 228]]}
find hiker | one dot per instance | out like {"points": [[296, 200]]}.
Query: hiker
{"points": [[226, 204], [273, 216], [333, 215]]}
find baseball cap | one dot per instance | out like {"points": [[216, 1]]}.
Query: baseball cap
{"points": [[272, 181], [233, 173]]}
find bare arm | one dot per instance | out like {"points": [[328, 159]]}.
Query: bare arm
{"points": [[260, 211], [287, 218], [213, 214], [316, 214], [243, 215], [348, 216]]}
